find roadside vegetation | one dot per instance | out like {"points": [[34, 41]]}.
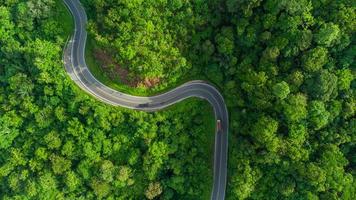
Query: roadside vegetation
{"points": [[57, 142], [285, 67]]}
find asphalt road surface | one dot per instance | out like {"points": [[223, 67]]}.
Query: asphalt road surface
{"points": [[74, 61]]}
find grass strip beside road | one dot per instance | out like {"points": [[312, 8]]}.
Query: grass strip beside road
{"points": [[63, 16]]}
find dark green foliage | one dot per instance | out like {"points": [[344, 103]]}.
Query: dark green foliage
{"points": [[323, 85]]}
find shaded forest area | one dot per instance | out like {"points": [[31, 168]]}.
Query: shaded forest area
{"points": [[287, 71], [56, 142]]}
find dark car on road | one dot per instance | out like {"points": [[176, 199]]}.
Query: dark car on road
{"points": [[143, 105]]}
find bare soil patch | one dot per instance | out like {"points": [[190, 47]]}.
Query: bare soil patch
{"points": [[118, 73]]}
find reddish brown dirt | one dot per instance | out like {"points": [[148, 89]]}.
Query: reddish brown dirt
{"points": [[115, 71], [147, 82]]}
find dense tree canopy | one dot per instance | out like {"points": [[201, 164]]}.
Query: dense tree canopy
{"points": [[56, 142], [285, 67]]}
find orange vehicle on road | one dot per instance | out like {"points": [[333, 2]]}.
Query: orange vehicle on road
{"points": [[218, 123]]}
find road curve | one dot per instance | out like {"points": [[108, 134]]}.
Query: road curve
{"points": [[75, 65]]}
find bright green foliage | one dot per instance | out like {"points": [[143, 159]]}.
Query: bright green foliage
{"points": [[47, 184], [297, 136], [72, 181], [294, 108], [8, 129], [101, 188], [285, 68], [318, 116], [107, 171], [315, 59], [146, 39], [57, 143], [52, 140], [225, 41], [271, 53], [246, 183], [264, 131], [124, 177], [345, 77], [281, 90], [59, 164], [41, 153], [328, 34], [295, 80]]}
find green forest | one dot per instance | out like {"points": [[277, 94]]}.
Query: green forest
{"points": [[286, 69]]}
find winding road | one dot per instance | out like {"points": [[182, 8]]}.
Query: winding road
{"points": [[75, 65]]}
